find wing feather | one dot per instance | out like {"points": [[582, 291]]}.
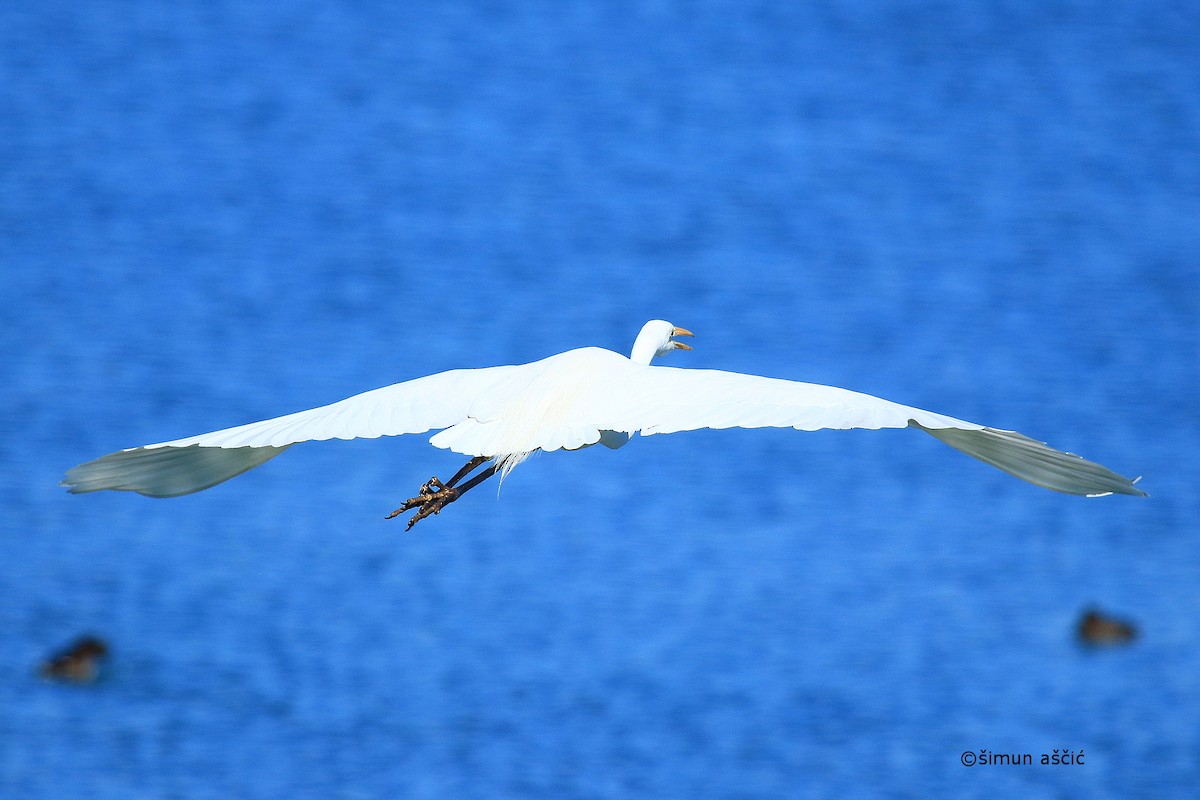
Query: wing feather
{"points": [[1036, 462], [665, 400], [416, 406], [166, 471], [183, 466]]}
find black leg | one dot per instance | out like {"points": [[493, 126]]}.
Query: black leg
{"points": [[478, 479], [462, 473]]}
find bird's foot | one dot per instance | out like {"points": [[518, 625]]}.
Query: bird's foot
{"points": [[432, 497]]}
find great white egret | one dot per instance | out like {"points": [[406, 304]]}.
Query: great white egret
{"points": [[568, 401]]}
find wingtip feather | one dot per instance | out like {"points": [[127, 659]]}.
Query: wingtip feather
{"points": [[1036, 462], [165, 471]]}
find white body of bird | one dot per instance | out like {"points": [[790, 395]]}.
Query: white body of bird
{"points": [[569, 401]]}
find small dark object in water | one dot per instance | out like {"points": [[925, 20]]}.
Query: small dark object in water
{"points": [[1095, 627], [79, 663]]}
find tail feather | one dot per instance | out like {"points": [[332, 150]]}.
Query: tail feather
{"points": [[166, 471], [1033, 461]]}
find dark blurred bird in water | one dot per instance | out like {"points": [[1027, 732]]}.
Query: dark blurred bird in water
{"points": [[1095, 627], [79, 663]]}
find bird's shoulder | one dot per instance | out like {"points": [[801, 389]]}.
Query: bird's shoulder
{"points": [[590, 357]]}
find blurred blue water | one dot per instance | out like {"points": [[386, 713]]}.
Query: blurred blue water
{"points": [[217, 212]]}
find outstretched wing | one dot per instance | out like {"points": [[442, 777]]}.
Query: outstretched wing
{"points": [[183, 466], [569, 401], [665, 399]]}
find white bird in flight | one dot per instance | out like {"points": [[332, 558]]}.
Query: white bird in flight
{"points": [[569, 401]]}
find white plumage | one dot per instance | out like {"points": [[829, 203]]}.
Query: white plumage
{"points": [[568, 401]]}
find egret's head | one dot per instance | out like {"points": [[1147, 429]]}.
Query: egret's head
{"points": [[656, 339]]}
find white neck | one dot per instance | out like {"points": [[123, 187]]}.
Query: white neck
{"points": [[643, 352]]}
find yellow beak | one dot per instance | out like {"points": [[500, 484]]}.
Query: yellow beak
{"points": [[681, 332]]}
